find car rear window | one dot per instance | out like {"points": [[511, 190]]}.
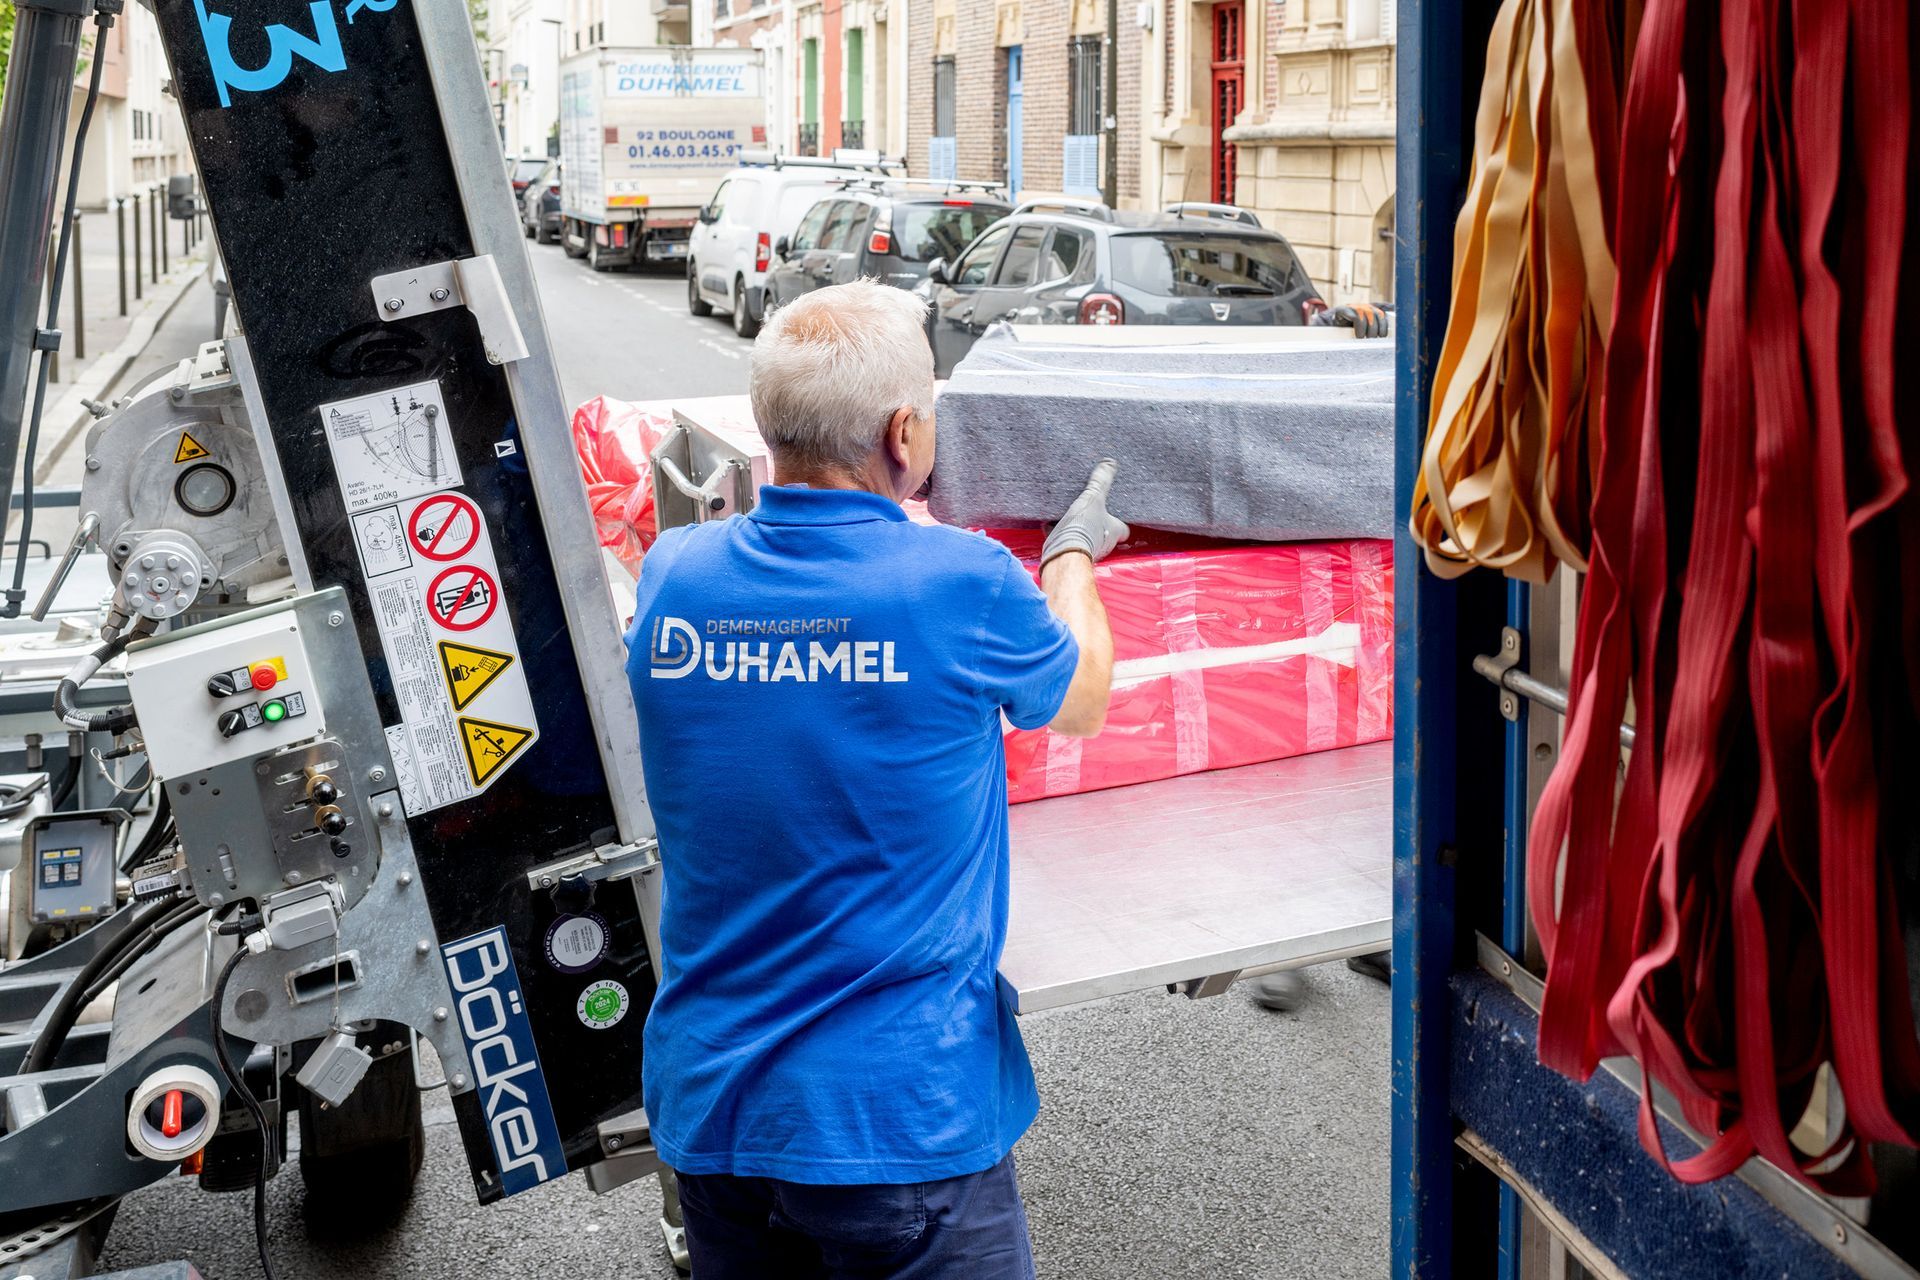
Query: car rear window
{"points": [[528, 169], [923, 232], [1173, 264]]}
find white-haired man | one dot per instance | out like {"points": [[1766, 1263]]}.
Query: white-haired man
{"points": [[830, 1065]]}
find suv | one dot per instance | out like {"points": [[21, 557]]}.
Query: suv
{"points": [[889, 229], [1059, 261], [731, 249]]}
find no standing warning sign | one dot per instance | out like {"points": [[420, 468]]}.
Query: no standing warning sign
{"points": [[447, 631]]}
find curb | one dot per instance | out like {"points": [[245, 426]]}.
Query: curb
{"points": [[102, 375]]}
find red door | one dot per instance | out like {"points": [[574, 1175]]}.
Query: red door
{"points": [[1229, 79]]}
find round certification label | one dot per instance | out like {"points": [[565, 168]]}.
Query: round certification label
{"points": [[602, 1005], [576, 943]]}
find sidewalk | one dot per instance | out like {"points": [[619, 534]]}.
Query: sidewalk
{"points": [[164, 323]]}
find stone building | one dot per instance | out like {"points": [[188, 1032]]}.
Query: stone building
{"points": [[1286, 109], [1014, 91]]}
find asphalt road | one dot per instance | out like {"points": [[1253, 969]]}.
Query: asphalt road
{"points": [[628, 334], [1178, 1140]]}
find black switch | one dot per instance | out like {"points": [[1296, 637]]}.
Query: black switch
{"points": [[231, 722], [221, 686]]}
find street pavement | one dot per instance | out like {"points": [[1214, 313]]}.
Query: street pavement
{"points": [[1177, 1140]]}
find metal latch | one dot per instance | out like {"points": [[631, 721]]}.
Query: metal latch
{"points": [[608, 862], [627, 1142], [473, 283]]}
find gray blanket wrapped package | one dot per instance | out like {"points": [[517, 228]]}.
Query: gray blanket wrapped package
{"points": [[1266, 441]]}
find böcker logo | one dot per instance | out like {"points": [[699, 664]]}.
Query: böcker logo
{"points": [[677, 651]]}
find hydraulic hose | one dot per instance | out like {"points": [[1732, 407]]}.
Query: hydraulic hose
{"points": [[66, 1010], [114, 719]]}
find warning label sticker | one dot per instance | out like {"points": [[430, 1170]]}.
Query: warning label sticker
{"points": [[450, 648], [489, 746], [391, 446], [469, 669], [190, 449]]}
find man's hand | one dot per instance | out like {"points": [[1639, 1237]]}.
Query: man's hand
{"points": [[1365, 319], [1088, 526]]}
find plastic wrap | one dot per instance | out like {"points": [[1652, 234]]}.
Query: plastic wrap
{"points": [[1224, 655], [613, 439]]}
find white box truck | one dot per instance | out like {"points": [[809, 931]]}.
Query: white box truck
{"points": [[646, 134]]}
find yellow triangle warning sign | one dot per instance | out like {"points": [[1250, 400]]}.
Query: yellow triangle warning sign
{"points": [[190, 449], [489, 746], [469, 669]]}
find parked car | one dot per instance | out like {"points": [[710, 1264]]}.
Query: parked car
{"points": [[1062, 261], [732, 245], [540, 205], [522, 170], [889, 229]]}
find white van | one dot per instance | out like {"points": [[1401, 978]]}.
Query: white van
{"points": [[732, 246]]}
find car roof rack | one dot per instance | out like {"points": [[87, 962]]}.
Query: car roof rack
{"points": [[1208, 209], [924, 186], [1066, 204], [866, 161]]}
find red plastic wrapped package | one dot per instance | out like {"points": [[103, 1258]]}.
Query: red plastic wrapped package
{"points": [[613, 440], [1224, 655]]}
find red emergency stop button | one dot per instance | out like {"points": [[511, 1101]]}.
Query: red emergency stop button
{"points": [[264, 677]]}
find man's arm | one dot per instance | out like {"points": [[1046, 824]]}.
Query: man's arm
{"points": [[1072, 595]]}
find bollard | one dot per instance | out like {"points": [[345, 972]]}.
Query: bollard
{"points": [[139, 271], [156, 247], [52, 357], [120, 244], [79, 293], [160, 233]]}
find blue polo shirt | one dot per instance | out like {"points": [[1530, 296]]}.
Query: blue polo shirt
{"points": [[820, 687]]}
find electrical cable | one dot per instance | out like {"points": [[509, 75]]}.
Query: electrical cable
{"points": [[70, 780], [67, 1009], [67, 692], [15, 799], [146, 942], [251, 1103], [102, 22], [158, 835]]}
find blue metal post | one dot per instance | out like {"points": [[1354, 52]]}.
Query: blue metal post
{"points": [[1431, 169], [1513, 906]]}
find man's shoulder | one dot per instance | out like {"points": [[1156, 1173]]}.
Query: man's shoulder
{"points": [[965, 552]]}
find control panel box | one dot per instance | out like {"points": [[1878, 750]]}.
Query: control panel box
{"points": [[224, 691], [70, 863]]}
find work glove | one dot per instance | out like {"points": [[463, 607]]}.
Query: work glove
{"points": [[1365, 319], [1088, 526]]}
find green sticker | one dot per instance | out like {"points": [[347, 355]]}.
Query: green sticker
{"points": [[602, 1005]]}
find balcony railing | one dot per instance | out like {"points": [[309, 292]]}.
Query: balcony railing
{"points": [[853, 134], [810, 139]]}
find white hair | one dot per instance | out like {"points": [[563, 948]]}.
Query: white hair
{"points": [[832, 367]]}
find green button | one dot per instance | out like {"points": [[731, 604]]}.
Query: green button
{"points": [[275, 710]]}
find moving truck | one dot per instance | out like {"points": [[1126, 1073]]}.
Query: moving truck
{"points": [[646, 134]]}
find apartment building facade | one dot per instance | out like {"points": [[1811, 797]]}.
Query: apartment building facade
{"points": [[136, 138], [1285, 108], [1015, 91], [527, 37]]}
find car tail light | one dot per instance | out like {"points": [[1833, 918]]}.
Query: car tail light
{"points": [[880, 242], [554, 190], [1102, 308], [1312, 307], [762, 252]]}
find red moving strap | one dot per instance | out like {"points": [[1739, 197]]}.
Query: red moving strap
{"points": [[1725, 912]]}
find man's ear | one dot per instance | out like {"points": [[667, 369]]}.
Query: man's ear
{"points": [[899, 437]]}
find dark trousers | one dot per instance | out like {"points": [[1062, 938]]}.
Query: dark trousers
{"points": [[970, 1228]]}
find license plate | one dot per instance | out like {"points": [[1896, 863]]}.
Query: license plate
{"points": [[675, 249]]}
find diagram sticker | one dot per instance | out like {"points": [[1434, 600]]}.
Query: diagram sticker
{"points": [[383, 548], [489, 746], [444, 527], [391, 446], [190, 450], [447, 633], [469, 669]]}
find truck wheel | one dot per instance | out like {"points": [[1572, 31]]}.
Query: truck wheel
{"points": [[527, 227], [599, 256], [359, 1160], [698, 305], [743, 322], [570, 233]]}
